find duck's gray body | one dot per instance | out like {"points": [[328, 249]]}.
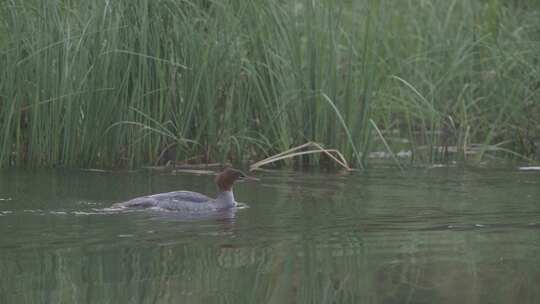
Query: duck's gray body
{"points": [[184, 201]]}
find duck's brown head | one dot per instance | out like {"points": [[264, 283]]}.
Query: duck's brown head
{"points": [[229, 176]]}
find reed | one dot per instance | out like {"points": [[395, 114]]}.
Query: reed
{"points": [[131, 83]]}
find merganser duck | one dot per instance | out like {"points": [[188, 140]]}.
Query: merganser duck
{"points": [[188, 201]]}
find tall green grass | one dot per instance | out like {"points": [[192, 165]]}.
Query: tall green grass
{"points": [[128, 83]]}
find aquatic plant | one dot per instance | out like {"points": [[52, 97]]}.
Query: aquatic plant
{"points": [[129, 83]]}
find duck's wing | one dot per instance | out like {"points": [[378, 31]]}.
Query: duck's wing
{"points": [[182, 196], [165, 200]]}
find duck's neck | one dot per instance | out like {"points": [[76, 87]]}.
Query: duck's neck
{"points": [[225, 199]]}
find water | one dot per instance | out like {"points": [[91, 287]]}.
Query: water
{"points": [[441, 235]]}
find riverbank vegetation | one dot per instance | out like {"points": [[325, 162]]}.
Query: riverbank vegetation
{"points": [[139, 82]]}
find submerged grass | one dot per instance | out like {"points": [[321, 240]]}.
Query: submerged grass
{"points": [[129, 83]]}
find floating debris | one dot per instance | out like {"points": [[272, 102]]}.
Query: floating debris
{"points": [[191, 171], [200, 166], [87, 203], [58, 212], [532, 168], [33, 210], [5, 199], [438, 166], [188, 168], [386, 155], [84, 213], [96, 170], [158, 168]]}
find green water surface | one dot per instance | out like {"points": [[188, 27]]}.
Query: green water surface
{"points": [[440, 235]]}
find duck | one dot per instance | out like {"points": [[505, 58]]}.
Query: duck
{"points": [[189, 201]]}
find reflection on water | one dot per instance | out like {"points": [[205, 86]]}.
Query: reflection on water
{"points": [[427, 236]]}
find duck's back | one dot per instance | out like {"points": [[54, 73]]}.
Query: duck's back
{"points": [[177, 200]]}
